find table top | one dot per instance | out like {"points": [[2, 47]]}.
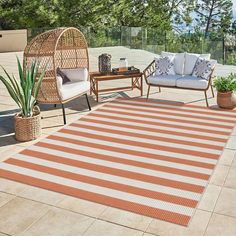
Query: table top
{"points": [[111, 76]]}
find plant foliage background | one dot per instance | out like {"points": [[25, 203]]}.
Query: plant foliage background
{"points": [[154, 25]]}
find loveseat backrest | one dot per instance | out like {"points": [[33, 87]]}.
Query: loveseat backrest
{"points": [[184, 62]]}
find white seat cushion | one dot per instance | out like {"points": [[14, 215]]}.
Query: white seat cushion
{"points": [[190, 61], [164, 80], [71, 89], [192, 82], [76, 74]]}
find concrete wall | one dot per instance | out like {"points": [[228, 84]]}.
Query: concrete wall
{"points": [[13, 40]]}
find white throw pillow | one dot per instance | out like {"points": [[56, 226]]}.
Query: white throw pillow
{"points": [[179, 63], [203, 68], [165, 65], [77, 74], [190, 61], [167, 54]]}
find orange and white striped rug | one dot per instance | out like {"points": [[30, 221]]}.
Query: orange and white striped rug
{"points": [[151, 158]]}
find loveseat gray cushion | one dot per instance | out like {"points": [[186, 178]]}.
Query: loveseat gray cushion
{"points": [[192, 82], [164, 80]]}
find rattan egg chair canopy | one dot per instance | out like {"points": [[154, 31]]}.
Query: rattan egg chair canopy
{"points": [[57, 48], [63, 48]]}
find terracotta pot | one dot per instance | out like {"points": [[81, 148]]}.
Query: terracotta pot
{"points": [[226, 100], [27, 129]]}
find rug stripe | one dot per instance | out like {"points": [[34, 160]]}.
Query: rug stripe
{"points": [[170, 113], [126, 205], [151, 165], [183, 110], [216, 110], [68, 160], [133, 144], [61, 139], [150, 138], [111, 155], [116, 167], [158, 123], [36, 171], [69, 172], [187, 121], [35, 158], [163, 135]]}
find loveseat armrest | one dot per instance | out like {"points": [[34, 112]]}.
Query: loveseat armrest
{"points": [[149, 70]]}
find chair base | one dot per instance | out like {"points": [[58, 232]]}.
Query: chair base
{"points": [[63, 108]]}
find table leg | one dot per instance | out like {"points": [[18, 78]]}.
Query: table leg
{"points": [[96, 90], [141, 84]]}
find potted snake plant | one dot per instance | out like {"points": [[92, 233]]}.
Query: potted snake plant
{"points": [[24, 92], [225, 87]]}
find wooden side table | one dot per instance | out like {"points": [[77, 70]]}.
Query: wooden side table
{"points": [[96, 77]]}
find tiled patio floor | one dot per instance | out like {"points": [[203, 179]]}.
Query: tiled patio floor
{"points": [[26, 210]]}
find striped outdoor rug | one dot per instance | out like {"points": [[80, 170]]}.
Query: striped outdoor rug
{"points": [[151, 158]]}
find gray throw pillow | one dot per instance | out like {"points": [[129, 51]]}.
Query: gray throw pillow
{"points": [[65, 79]]}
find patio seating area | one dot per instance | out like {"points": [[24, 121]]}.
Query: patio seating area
{"points": [[27, 210]]}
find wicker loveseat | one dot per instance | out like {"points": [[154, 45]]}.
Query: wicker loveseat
{"points": [[63, 49], [181, 72]]}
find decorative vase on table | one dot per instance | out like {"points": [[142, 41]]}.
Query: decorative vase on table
{"points": [[24, 92], [225, 87], [104, 63]]}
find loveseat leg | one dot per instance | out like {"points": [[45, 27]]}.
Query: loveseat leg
{"points": [[148, 91], [206, 98], [87, 101], [64, 114], [213, 95]]}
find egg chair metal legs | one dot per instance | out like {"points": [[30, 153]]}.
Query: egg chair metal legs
{"points": [[63, 108], [64, 114], [89, 107]]}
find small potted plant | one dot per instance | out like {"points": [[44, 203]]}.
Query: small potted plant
{"points": [[225, 87], [24, 92]]}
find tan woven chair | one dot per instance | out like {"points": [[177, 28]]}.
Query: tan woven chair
{"points": [[64, 48]]}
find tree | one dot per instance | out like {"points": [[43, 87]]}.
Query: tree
{"points": [[214, 15], [16, 14]]}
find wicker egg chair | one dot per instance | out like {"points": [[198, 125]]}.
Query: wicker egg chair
{"points": [[64, 48]]}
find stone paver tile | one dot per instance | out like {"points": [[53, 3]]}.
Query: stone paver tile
{"points": [[103, 228], [147, 234], [82, 206], [19, 214], [219, 175], [231, 178], [11, 187], [4, 198], [59, 223], [221, 225], [234, 161], [126, 218], [9, 152], [42, 195], [227, 157], [226, 203], [234, 131], [196, 227], [209, 198], [232, 142]]}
